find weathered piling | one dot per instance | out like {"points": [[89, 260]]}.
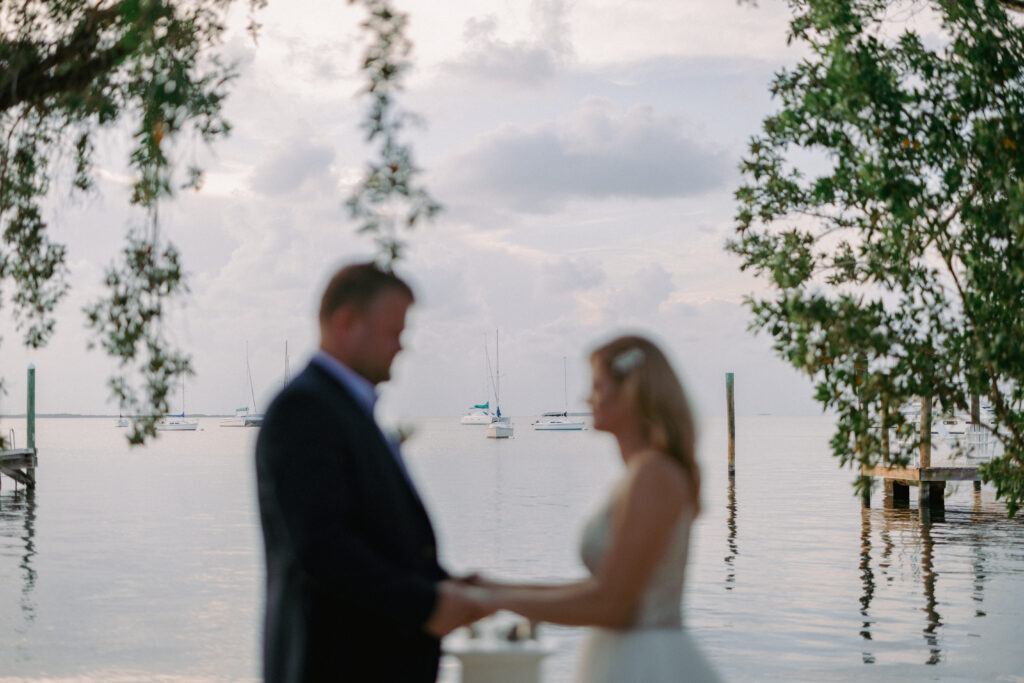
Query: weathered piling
{"points": [[976, 422], [926, 431], [931, 493], [731, 412], [30, 420]]}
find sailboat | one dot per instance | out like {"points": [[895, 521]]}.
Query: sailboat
{"points": [[559, 421], [500, 426], [177, 423], [479, 414], [243, 417], [238, 420]]}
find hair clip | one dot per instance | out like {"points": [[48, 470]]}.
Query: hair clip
{"points": [[627, 360]]}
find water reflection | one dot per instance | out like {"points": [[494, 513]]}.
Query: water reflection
{"points": [[896, 521], [18, 509], [931, 528], [867, 577], [929, 577], [978, 557], [730, 559]]}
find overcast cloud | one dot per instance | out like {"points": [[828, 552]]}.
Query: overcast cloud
{"points": [[290, 167], [595, 152], [530, 61]]}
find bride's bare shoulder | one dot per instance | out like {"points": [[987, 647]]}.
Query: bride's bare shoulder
{"points": [[654, 471]]}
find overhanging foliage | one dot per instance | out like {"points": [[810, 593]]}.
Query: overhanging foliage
{"points": [[883, 206], [69, 68]]}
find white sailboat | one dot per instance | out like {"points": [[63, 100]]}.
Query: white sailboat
{"points": [[177, 423], [480, 414], [238, 419], [244, 417], [501, 425], [559, 422]]}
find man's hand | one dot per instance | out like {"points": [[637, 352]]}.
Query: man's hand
{"points": [[455, 607]]}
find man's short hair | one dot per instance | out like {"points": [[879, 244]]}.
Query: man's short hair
{"points": [[357, 285]]}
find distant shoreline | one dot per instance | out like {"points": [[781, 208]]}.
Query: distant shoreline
{"points": [[90, 415]]}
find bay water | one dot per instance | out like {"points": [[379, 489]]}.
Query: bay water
{"points": [[145, 564]]}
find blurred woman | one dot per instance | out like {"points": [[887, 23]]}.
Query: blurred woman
{"points": [[636, 546]]}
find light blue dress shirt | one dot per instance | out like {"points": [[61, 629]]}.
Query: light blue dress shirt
{"points": [[365, 394]]}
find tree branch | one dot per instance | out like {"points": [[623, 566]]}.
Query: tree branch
{"points": [[78, 61]]}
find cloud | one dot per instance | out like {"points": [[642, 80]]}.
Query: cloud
{"points": [[291, 167], [488, 57], [596, 153], [571, 274], [640, 297]]}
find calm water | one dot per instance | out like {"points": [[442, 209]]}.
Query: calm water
{"points": [[145, 564]]}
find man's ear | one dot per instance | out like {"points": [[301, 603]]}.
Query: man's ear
{"points": [[340, 318], [343, 321]]}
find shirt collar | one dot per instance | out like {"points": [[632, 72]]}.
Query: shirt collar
{"points": [[362, 389]]}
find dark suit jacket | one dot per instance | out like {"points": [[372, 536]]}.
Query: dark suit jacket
{"points": [[352, 568]]}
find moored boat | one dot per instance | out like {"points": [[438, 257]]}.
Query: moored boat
{"points": [[559, 422], [176, 423], [479, 414]]}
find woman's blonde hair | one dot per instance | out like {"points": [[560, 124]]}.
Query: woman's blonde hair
{"points": [[641, 370]]}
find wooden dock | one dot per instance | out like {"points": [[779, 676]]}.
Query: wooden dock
{"points": [[931, 481], [20, 463]]}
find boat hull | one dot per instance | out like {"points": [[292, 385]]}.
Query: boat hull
{"points": [[176, 426], [500, 429], [552, 426]]}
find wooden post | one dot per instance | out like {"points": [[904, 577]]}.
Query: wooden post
{"points": [[30, 410], [731, 412], [932, 495], [897, 493], [30, 418], [975, 408], [885, 430], [926, 431]]}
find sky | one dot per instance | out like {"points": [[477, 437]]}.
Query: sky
{"points": [[585, 152]]}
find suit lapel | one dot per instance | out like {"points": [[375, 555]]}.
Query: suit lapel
{"points": [[382, 449]]}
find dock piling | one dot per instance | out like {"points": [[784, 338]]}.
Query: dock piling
{"points": [[926, 431], [731, 411], [30, 417]]}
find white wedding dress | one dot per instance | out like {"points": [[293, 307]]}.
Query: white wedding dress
{"points": [[655, 648]]}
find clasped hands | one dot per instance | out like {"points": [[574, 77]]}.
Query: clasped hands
{"points": [[460, 601]]}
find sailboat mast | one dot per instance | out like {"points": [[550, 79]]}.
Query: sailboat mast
{"points": [[248, 372], [565, 389], [497, 373], [286, 361]]}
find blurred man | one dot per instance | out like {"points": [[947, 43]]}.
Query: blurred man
{"points": [[354, 588]]}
